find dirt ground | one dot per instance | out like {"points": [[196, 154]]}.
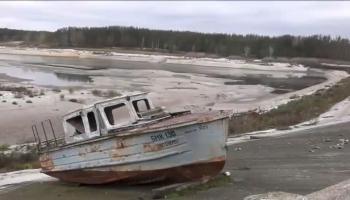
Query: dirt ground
{"points": [[301, 163]]}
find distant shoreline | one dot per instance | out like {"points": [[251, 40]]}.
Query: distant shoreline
{"points": [[107, 53]]}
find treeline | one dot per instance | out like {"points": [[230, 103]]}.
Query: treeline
{"points": [[254, 46]]}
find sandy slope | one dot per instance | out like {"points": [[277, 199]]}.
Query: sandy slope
{"points": [[339, 113]]}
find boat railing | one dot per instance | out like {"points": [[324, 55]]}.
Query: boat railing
{"points": [[46, 138]]}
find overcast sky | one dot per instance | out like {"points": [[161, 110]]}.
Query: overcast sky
{"points": [[265, 18]]}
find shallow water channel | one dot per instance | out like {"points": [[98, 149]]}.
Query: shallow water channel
{"points": [[66, 71]]}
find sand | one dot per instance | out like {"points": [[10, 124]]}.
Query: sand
{"points": [[11, 178], [176, 82], [219, 62]]}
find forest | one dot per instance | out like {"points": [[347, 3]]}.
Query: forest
{"points": [[250, 46]]}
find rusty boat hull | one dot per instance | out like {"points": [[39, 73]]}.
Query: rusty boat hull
{"points": [[183, 148]]}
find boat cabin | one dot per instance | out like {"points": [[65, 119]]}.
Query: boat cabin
{"points": [[110, 115]]}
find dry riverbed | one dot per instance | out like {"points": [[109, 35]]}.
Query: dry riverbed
{"points": [[55, 81], [39, 84]]}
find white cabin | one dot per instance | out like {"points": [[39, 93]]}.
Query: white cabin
{"points": [[102, 117]]}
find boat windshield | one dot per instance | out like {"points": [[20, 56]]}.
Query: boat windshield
{"points": [[76, 125], [140, 106], [118, 114]]}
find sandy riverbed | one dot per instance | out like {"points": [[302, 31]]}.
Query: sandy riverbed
{"points": [[175, 82]]}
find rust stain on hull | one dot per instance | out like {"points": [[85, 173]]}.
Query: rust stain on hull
{"points": [[184, 173], [46, 162], [160, 146]]}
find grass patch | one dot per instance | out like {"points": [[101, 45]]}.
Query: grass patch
{"points": [[4, 147], [19, 161], [18, 92], [108, 93], [212, 183], [296, 111]]}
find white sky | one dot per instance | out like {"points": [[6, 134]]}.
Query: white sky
{"points": [[264, 17]]}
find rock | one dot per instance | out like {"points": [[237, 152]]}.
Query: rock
{"points": [[316, 147], [294, 96], [238, 149], [337, 146], [73, 100], [344, 141], [327, 140], [227, 173], [256, 137]]}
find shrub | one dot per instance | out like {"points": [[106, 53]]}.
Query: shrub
{"points": [[71, 90], [97, 93], [57, 90], [18, 95], [73, 100], [42, 92], [112, 93]]}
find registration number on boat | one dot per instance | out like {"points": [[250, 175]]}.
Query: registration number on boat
{"points": [[163, 136]]}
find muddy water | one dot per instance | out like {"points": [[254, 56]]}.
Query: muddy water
{"points": [[62, 71]]}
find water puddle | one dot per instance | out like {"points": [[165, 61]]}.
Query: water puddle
{"points": [[45, 78]]}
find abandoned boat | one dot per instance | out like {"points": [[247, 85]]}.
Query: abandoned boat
{"points": [[127, 139]]}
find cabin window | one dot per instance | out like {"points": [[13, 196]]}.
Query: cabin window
{"points": [[92, 121], [141, 105], [77, 123], [118, 114]]}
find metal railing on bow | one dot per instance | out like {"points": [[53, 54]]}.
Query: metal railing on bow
{"points": [[46, 139]]}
